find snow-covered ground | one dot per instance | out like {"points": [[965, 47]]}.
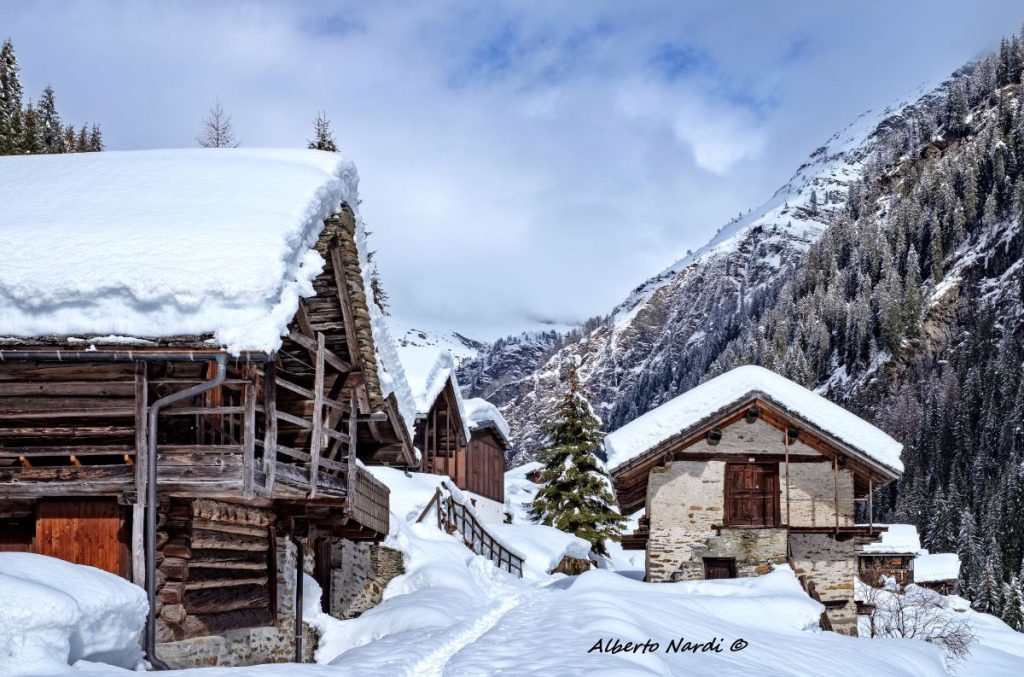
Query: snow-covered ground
{"points": [[453, 613]]}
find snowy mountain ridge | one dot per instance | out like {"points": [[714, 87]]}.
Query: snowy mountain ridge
{"points": [[672, 326]]}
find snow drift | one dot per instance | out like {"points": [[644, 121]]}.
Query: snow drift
{"points": [[53, 613]]}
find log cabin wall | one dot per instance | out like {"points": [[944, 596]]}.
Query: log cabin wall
{"points": [[485, 465]]}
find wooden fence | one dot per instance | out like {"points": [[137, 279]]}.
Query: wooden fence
{"points": [[454, 516]]}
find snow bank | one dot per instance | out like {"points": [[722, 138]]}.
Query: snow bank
{"points": [[53, 613], [552, 633], [696, 405], [165, 242], [410, 492], [543, 546], [520, 491], [479, 412]]}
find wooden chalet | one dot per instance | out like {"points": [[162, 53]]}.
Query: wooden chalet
{"points": [[208, 477], [749, 470], [465, 440]]}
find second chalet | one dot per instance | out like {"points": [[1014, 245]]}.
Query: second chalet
{"points": [[749, 470], [193, 375]]}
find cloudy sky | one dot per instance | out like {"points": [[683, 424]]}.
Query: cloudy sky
{"points": [[521, 162]]}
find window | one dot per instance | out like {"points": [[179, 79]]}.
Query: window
{"points": [[751, 495], [719, 567]]}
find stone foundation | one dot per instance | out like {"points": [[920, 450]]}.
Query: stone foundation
{"points": [[831, 564], [361, 571]]}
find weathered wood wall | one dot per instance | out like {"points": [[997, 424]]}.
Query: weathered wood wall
{"points": [[215, 567]]}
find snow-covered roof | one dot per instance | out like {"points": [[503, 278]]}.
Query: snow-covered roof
{"points": [[943, 566], [897, 539], [733, 387], [165, 242], [428, 369], [480, 412]]}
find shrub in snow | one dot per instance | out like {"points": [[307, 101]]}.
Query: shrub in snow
{"points": [[913, 612], [53, 612], [576, 496]]}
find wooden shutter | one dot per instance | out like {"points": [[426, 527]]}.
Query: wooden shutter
{"points": [[751, 495], [719, 568]]}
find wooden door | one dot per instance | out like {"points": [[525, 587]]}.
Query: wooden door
{"points": [[751, 495], [719, 568], [91, 531]]}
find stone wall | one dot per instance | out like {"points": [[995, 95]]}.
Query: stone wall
{"points": [[685, 499], [361, 571], [683, 502], [831, 564]]}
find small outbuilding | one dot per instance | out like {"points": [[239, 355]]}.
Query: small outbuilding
{"points": [[749, 470]]}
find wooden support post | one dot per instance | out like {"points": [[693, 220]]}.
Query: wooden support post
{"points": [[270, 425], [835, 483], [785, 436], [317, 434], [353, 431], [249, 431], [141, 470], [871, 506]]}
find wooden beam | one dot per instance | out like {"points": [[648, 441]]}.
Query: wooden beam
{"points": [[318, 347], [249, 431], [270, 425], [316, 439], [835, 484], [353, 438], [141, 474]]}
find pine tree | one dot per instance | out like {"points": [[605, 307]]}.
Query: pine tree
{"points": [[217, 129], [51, 131], [10, 101], [576, 495], [1013, 603], [82, 142], [30, 139], [987, 598], [95, 139], [323, 137], [70, 139]]}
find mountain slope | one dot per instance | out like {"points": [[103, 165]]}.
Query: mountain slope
{"points": [[902, 298], [664, 336]]}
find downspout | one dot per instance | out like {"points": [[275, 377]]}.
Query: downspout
{"points": [[154, 412]]}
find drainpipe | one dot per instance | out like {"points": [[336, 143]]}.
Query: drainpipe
{"points": [[154, 412]]}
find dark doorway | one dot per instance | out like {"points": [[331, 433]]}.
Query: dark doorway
{"points": [[719, 568], [752, 495]]}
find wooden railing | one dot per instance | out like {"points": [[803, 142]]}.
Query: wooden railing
{"points": [[454, 516]]}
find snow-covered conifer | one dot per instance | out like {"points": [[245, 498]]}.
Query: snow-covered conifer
{"points": [[323, 137], [576, 496]]}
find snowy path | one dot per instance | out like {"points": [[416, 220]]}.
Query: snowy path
{"points": [[433, 664]]}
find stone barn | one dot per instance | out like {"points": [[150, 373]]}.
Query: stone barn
{"points": [[749, 470]]}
